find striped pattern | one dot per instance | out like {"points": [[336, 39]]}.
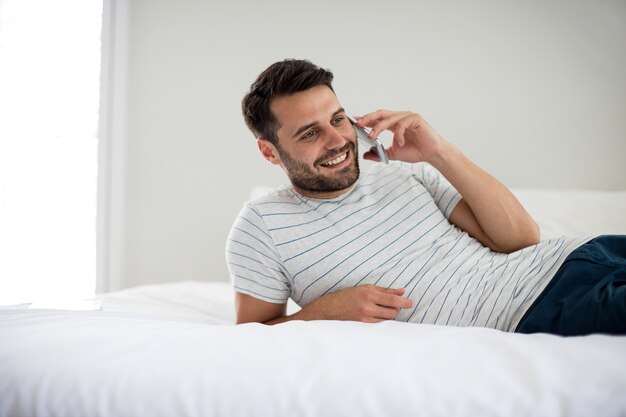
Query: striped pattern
{"points": [[391, 229]]}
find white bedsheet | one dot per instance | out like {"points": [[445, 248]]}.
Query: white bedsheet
{"points": [[64, 363], [202, 302]]}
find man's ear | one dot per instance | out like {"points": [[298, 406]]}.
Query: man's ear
{"points": [[268, 150]]}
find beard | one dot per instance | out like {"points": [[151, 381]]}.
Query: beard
{"points": [[310, 179]]}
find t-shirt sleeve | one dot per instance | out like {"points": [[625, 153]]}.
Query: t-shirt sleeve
{"points": [[255, 266], [445, 195]]}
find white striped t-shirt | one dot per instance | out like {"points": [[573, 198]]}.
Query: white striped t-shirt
{"points": [[390, 229]]}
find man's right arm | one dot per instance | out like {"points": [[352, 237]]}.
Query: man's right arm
{"points": [[257, 268], [366, 303]]}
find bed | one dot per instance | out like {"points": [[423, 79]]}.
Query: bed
{"points": [[172, 350]]}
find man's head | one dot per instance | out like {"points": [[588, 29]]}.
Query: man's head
{"points": [[299, 124], [282, 78]]}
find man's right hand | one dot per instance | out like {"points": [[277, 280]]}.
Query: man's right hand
{"points": [[366, 303]]}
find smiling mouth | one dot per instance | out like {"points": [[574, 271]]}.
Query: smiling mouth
{"points": [[336, 161]]}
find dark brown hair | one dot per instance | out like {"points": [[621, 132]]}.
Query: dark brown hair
{"points": [[279, 79]]}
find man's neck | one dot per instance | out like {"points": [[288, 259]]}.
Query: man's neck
{"points": [[321, 195]]}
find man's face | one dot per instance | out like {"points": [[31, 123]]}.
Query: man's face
{"points": [[316, 143]]}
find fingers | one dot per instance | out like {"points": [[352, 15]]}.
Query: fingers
{"points": [[385, 313], [413, 139], [392, 298], [392, 123], [368, 303], [397, 291], [396, 122], [371, 118], [379, 313], [394, 301]]}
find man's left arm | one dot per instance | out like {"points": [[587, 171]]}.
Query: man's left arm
{"points": [[489, 212]]}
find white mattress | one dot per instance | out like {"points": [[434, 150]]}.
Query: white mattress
{"points": [[67, 363], [172, 350]]}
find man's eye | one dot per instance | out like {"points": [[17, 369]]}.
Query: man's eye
{"points": [[310, 134], [338, 120]]}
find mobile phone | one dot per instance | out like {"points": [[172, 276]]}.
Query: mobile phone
{"points": [[373, 145]]}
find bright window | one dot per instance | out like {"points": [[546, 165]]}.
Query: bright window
{"points": [[49, 97]]}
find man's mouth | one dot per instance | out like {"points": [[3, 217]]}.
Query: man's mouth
{"points": [[336, 161]]}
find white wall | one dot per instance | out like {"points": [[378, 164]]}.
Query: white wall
{"points": [[533, 91]]}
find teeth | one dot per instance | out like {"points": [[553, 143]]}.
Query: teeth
{"points": [[336, 161]]}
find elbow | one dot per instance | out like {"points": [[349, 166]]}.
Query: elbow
{"points": [[528, 236], [531, 235], [536, 233], [239, 321]]}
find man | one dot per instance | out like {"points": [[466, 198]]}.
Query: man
{"points": [[429, 238]]}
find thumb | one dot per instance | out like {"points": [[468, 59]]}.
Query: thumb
{"points": [[391, 153], [371, 156]]}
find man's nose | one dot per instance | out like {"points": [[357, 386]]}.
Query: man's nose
{"points": [[334, 139]]}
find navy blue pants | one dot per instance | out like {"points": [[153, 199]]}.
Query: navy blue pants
{"points": [[587, 294]]}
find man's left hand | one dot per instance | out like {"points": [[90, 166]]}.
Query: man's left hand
{"points": [[414, 140]]}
